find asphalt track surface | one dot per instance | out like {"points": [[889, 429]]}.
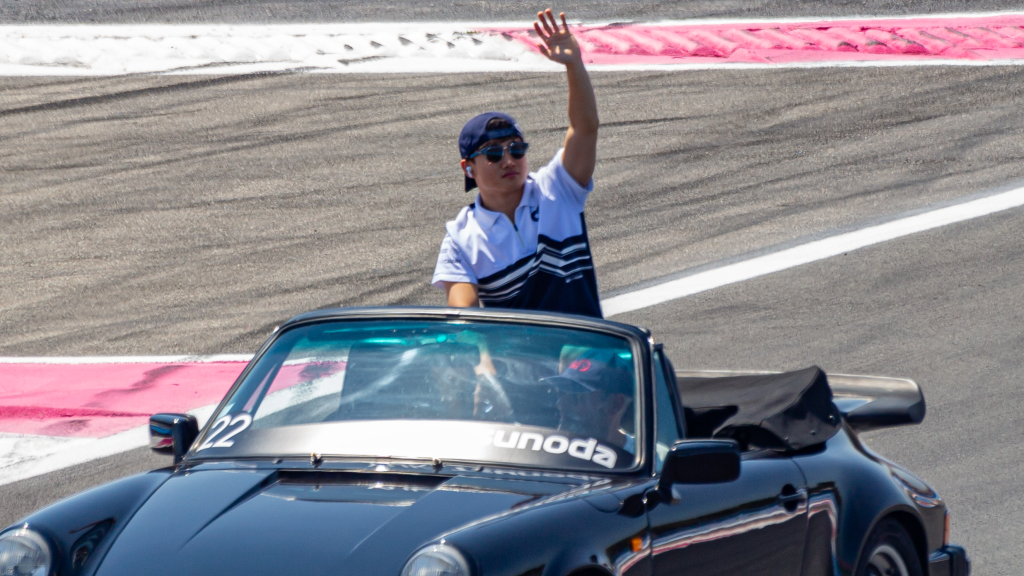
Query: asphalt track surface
{"points": [[163, 215], [245, 11]]}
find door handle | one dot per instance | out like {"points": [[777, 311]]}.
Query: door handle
{"points": [[791, 501]]}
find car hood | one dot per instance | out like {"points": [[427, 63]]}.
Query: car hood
{"points": [[274, 522]]}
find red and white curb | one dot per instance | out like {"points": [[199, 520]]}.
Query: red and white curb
{"points": [[90, 50], [980, 38], [57, 412]]}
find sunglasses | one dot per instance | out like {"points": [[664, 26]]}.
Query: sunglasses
{"points": [[495, 153]]}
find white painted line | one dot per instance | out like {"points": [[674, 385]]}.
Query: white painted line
{"points": [[125, 359], [19, 448], [810, 252], [35, 455]]}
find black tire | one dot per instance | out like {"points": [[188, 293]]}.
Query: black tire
{"points": [[889, 552]]}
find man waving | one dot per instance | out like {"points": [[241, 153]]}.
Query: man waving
{"points": [[523, 242]]}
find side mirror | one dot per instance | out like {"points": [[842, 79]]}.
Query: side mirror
{"points": [[700, 462], [172, 434]]}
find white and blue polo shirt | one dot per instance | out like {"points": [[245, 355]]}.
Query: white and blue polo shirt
{"points": [[541, 261]]}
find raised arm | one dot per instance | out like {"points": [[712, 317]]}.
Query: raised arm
{"points": [[559, 45]]}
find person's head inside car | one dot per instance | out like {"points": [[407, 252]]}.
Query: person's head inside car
{"points": [[595, 392]]}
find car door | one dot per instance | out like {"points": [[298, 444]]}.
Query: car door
{"points": [[755, 525]]}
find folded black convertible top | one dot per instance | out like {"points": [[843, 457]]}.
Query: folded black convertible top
{"points": [[788, 411]]}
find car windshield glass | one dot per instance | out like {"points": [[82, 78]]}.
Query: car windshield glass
{"points": [[468, 391]]}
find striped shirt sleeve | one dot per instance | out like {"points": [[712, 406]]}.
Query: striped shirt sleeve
{"points": [[451, 265], [555, 179]]}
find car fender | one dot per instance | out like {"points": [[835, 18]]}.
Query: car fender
{"points": [[923, 518], [569, 537], [81, 528], [856, 489]]}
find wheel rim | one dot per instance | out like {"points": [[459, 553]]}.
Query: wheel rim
{"points": [[886, 561]]}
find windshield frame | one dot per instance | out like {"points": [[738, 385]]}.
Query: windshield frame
{"points": [[639, 341]]}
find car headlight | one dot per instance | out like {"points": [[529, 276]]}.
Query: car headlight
{"points": [[24, 552], [437, 560]]}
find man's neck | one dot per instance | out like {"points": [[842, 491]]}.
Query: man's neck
{"points": [[503, 202]]}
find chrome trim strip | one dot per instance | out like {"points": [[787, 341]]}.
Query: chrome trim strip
{"points": [[825, 503], [743, 522]]}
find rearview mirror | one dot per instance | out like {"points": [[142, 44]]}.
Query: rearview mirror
{"points": [[172, 434], [700, 462]]}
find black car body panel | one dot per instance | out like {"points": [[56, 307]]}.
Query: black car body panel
{"points": [[802, 513], [364, 522], [741, 527], [82, 528], [847, 481]]}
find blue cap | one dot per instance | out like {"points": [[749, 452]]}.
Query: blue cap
{"points": [[475, 133], [592, 372]]}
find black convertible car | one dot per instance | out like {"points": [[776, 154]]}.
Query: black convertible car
{"points": [[440, 442]]}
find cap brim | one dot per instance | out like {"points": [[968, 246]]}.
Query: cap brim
{"points": [[470, 183], [568, 385]]}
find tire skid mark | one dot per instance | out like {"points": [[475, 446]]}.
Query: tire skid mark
{"points": [[46, 412], [126, 95]]}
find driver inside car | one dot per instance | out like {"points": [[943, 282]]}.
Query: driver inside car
{"points": [[595, 393]]}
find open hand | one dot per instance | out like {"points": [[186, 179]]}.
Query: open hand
{"points": [[559, 45]]}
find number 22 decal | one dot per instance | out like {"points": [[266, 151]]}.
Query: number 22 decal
{"points": [[243, 421]]}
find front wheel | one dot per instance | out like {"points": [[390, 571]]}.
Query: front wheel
{"points": [[889, 552]]}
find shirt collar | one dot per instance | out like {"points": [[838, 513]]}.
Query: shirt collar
{"points": [[487, 218]]}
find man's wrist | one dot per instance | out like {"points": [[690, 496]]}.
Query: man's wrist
{"points": [[575, 65]]}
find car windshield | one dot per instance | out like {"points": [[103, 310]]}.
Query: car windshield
{"points": [[453, 390]]}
